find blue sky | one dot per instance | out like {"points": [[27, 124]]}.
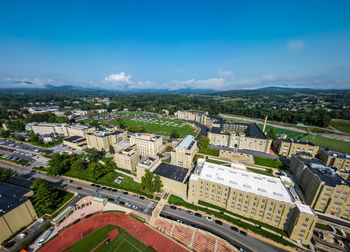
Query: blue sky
{"points": [[175, 44]]}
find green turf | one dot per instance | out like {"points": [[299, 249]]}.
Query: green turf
{"points": [[216, 161], [341, 125], [159, 129], [279, 131], [92, 240], [332, 144], [124, 242], [273, 163], [268, 172]]}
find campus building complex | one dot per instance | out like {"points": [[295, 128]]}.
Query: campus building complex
{"points": [[48, 128], [16, 210], [76, 142], [194, 115], [147, 144], [239, 136], [80, 130], [127, 158], [183, 153], [263, 198], [288, 147], [337, 160], [324, 190], [104, 139]]}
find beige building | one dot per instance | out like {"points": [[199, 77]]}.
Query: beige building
{"points": [[16, 210], [324, 190], [259, 197], [194, 115], [146, 163], [338, 160], [240, 136], [147, 144], [287, 147], [236, 156], [104, 139], [127, 158], [48, 128], [183, 153], [75, 142], [79, 130]]}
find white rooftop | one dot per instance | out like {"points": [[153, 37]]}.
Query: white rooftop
{"points": [[305, 208], [245, 181]]}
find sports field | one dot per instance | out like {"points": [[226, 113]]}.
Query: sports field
{"points": [[122, 242], [290, 133], [332, 144]]}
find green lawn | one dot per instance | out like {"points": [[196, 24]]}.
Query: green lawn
{"points": [[279, 131], [124, 242], [273, 163], [216, 162], [209, 151], [268, 172], [332, 144], [169, 148], [92, 240], [160, 129], [341, 125], [108, 180]]}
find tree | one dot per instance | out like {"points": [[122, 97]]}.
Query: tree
{"points": [[174, 134], [4, 133], [111, 149], [93, 155], [93, 123], [59, 164], [110, 166], [157, 183], [78, 165], [6, 174], [45, 196], [203, 142], [271, 134], [96, 170], [146, 181]]}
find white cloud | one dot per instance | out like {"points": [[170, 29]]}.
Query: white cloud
{"points": [[120, 77], [295, 45]]}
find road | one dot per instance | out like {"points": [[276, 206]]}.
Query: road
{"points": [[224, 231], [147, 206], [203, 129]]}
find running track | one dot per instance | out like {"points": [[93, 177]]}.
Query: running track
{"points": [[142, 232]]}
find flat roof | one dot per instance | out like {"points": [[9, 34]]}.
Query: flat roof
{"points": [[258, 184], [305, 208], [170, 171], [337, 154], [289, 140], [74, 139], [185, 142], [12, 196], [61, 214], [253, 130]]}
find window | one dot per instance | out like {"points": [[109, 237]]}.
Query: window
{"points": [[306, 219]]}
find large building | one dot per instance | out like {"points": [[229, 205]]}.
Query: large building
{"points": [[79, 130], [76, 142], [16, 210], [104, 139], [183, 153], [247, 136], [48, 128], [147, 144], [194, 115], [288, 147], [263, 198], [324, 190], [127, 158], [146, 163], [338, 160]]}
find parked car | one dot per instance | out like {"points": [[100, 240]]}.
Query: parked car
{"points": [[22, 235], [173, 207], [234, 228], [243, 233], [208, 218], [41, 242], [141, 197], [189, 212], [218, 222], [198, 215]]}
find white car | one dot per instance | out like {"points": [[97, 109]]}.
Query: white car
{"points": [[22, 235], [208, 218], [41, 242]]}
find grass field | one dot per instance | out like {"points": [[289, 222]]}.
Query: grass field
{"points": [[267, 172], [92, 240], [162, 126], [123, 242], [279, 131], [332, 144], [273, 163], [341, 125]]}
